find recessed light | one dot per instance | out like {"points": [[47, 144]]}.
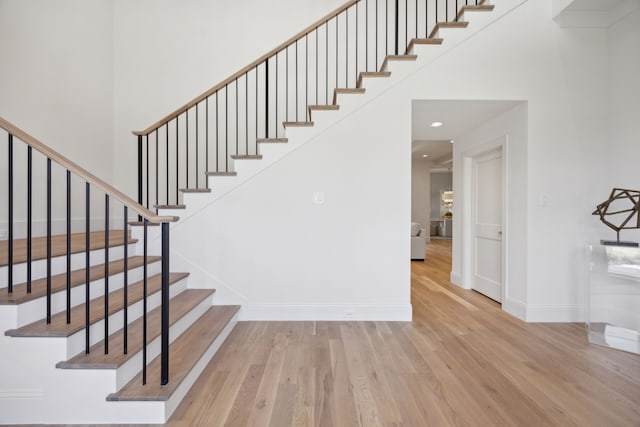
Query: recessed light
{"points": [[436, 124], [451, 141], [425, 155]]}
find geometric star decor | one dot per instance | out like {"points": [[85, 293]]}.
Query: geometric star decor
{"points": [[622, 206]]}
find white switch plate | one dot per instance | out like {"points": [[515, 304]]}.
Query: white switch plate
{"points": [[318, 197]]}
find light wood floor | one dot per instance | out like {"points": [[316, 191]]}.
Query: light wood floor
{"points": [[461, 362]]}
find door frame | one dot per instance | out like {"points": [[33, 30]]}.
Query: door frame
{"points": [[468, 159]]}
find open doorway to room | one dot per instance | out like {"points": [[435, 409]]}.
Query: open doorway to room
{"points": [[446, 135]]}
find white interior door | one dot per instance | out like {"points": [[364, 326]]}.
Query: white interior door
{"points": [[487, 224]]}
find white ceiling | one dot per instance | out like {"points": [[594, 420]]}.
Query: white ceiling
{"points": [[594, 5], [458, 117]]}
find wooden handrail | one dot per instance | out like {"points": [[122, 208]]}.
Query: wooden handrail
{"points": [[83, 173], [246, 69]]}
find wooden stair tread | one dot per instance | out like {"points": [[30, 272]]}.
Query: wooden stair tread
{"points": [[375, 74], [141, 223], [474, 8], [329, 107], [195, 190], [440, 25], [246, 156], [343, 91], [227, 173], [170, 206], [59, 327], [184, 354], [297, 124], [59, 281], [179, 306], [58, 245], [272, 140]]}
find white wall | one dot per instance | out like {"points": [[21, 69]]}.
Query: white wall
{"points": [[167, 53], [439, 181], [420, 184], [623, 144], [56, 82]]}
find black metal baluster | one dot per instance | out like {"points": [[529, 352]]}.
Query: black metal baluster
{"points": [[366, 37], [416, 21], [144, 304], [186, 147], [376, 35], [29, 215], [177, 160], [386, 27], [276, 126], [237, 149], [87, 243], [125, 285], [317, 100], [436, 21], [197, 144], [206, 145], [166, 144], [326, 62], [226, 123], [147, 157], [266, 98], [337, 20], [426, 20], [246, 112], [217, 137], [164, 355], [10, 225], [456, 11], [406, 22], [140, 173], [48, 241], [346, 48], [157, 183], [356, 79], [106, 273], [306, 77], [397, 24], [296, 80], [256, 104], [68, 247], [446, 11], [286, 85]]}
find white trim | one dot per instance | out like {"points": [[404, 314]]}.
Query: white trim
{"points": [[327, 312], [36, 394], [515, 308], [556, 313]]}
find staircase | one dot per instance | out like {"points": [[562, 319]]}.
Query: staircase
{"points": [[97, 327]]}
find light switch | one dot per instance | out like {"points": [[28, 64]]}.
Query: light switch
{"points": [[318, 197]]}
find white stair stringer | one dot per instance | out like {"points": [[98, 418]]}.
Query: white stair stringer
{"points": [[247, 169], [35, 391]]}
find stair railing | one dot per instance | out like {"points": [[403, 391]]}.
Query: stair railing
{"points": [[254, 105], [20, 173]]}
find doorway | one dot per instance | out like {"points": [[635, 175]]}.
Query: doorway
{"points": [[485, 261]]}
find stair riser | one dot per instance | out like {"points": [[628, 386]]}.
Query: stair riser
{"points": [[76, 342], [59, 264], [132, 367], [33, 310]]}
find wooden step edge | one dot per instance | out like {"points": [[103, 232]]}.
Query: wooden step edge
{"points": [[195, 190], [297, 124], [372, 74], [170, 206], [141, 223], [184, 354], [421, 42], [179, 307], [272, 140], [441, 25], [77, 246], [246, 156], [330, 107], [58, 327], [226, 173], [403, 58], [474, 8], [345, 91], [59, 281]]}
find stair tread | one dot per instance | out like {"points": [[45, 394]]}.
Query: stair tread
{"points": [[246, 156], [195, 190], [141, 223], [297, 124], [227, 173], [180, 305], [324, 107], [58, 245], [170, 206], [455, 24], [271, 140], [59, 327], [185, 353], [59, 281]]}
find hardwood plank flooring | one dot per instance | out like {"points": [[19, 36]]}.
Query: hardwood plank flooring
{"points": [[461, 362]]}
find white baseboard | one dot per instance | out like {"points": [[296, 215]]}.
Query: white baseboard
{"points": [[515, 308], [551, 313], [327, 312]]}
